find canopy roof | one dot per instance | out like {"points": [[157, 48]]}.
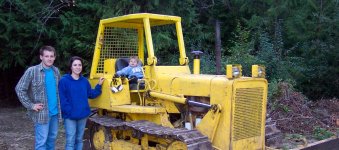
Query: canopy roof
{"points": [[136, 20]]}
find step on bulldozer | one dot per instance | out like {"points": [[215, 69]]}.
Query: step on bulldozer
{"points": [[171, 107]]}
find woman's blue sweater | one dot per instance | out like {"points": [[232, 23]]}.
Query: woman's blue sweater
{"points": [[74, 96]]}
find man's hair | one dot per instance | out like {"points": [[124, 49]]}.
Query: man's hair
{"points": [[47, 48], [74, 58]]}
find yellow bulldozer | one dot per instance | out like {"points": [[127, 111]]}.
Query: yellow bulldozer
{"points": [[171, 107]]}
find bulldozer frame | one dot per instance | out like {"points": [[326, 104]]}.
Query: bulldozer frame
{"points": [[174, 109]]}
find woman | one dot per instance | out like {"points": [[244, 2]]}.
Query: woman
{"points": [[74, 91]]}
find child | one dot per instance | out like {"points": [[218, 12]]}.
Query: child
{"points": [[134, 70]]}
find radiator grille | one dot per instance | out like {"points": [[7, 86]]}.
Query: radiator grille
{"points": [[247, 113], [118, 42]]}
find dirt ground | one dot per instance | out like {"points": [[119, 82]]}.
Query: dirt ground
{"points": [[17, 131], [302, 121]]}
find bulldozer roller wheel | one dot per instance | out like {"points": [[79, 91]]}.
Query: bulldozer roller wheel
{"points": [[177, 145], [100, 138]]}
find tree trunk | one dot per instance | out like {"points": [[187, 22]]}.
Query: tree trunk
{"points": [[217, 47]]}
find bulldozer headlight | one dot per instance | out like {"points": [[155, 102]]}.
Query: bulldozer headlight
{"points": [[258, 71], [233, 71]]}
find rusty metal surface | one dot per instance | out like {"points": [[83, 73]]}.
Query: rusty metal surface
{"points": [[330, 144], [193, 138]]}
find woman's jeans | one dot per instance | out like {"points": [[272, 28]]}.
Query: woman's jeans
{"points": [[46, 134], [74, 130]]}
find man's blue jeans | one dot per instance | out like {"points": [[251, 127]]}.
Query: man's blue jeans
{"points": [[46, 134], [74, 130]]}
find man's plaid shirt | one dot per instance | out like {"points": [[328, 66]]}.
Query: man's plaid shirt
{"points": [[31, 89]]}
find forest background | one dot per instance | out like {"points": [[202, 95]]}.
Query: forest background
{"points": [[296, 40]]}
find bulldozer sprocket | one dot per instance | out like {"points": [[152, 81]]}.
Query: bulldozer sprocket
{"points": [[193, 138]]}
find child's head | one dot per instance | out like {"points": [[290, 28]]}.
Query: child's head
{"points": [[133, 61]]}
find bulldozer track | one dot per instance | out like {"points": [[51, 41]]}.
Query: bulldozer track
{"points": [[193, 138]]}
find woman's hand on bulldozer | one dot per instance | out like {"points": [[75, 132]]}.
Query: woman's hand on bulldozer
{"points": [[101, 80]]}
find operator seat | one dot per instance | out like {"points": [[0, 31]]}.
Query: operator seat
{"points": [[121, 63]]}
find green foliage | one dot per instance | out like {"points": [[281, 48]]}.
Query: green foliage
{"points": [[315, 27], [207, 63], [285, 108], [241, 50], [273, 90], [295, 40], [321, 133], [16, 33], [295, 137], [276, 90]]}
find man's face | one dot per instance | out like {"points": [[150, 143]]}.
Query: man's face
{"points": [[47, 58], [133, 62]]}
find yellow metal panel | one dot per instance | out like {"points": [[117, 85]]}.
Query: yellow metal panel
{"points": [[221, 93], [170, 107], [249, 143], [209, 123], [102, 101], [108, 99], [154, 73], [159, 118], [109, 66], [120, 98], [138, 109], [249, 112], [178, 80], [171, 70], [187, 84]]}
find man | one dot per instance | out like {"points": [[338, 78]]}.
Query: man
{"points": [[37, 91]]}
